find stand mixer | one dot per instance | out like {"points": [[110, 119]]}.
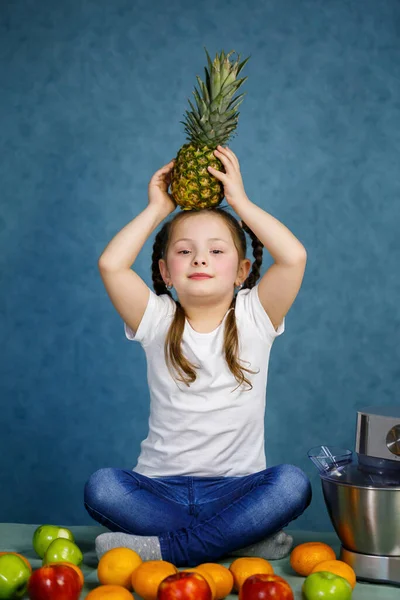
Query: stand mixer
{"points": [[362, 494]]}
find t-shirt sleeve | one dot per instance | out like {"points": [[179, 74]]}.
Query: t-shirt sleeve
{"points": [[250, 310], [158, 309]]}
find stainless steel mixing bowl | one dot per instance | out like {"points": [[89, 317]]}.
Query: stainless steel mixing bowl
{"points": [[366, 519]]}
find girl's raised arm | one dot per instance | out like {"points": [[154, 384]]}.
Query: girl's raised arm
{"points": [[126, 289], [280, 285]]}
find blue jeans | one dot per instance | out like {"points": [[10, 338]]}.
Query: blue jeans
{"points": [[198, 519]]}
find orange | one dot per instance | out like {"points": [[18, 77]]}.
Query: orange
{"points": [[305, 556], [222, 577], [242, 568], [117, 565], [148, 576], [339, 568], [208, 578], [109, 592], [74, 567], [28, 564]]}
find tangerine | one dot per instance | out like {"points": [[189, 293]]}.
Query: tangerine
{"points": [[338, 567], [306, 556], [117, 565], [242, 568], [109, 592], [148, 575], [222, 577]]}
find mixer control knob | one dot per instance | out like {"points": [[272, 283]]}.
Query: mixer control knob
{"points": [[393, 440]]}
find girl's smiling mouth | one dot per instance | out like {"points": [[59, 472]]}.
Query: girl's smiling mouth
{"points": [[200, 276]]}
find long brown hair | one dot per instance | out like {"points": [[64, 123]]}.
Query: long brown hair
{"points": [[174, 357]]}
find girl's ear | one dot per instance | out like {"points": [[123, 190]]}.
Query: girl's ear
{"points": [[163, 269], [244, 269]]}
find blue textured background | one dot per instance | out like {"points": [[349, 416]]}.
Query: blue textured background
{"points": [[91, 99]]}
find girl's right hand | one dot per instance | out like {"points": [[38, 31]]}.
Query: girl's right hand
{"points": [[158, 189]]}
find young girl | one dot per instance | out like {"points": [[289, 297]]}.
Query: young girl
{"points": [[201, 489]]}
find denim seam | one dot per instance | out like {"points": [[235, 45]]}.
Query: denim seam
{"points": [[192, 507], [149, 487], [107, 519], [164, 547]]}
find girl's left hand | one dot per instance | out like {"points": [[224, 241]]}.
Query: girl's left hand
{"points": [[232, 179]]}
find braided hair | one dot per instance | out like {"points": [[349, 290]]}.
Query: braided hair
{"points": [[174, 357]]}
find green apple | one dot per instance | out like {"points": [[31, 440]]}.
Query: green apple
{"points": [[323, 584], [62, 550], [14, 577], [45, 534]]}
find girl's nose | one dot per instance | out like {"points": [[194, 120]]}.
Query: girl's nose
{"points": [[196, 262]]}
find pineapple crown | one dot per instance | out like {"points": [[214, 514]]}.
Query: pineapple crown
{"points": [[216, 115]]}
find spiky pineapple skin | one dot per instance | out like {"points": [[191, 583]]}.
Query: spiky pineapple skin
{"points": [[192, 186]]}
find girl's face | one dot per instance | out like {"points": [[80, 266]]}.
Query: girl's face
{"points": [[203, 244]]}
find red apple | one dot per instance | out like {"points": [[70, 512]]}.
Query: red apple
{"points": [[184, 586], [55, 582], [264, 587]]}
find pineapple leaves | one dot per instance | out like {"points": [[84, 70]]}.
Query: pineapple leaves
{"points": [[240, 97], [193, 117], [215, 116], [208, 81], [201, 105], [240, 67], [215, 83], [204, 90], [209, 61]]}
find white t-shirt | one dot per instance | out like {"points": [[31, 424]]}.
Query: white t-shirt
{"points": [[206, 429]]}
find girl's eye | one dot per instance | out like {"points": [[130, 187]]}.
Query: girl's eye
{"points": [[187, 251]]}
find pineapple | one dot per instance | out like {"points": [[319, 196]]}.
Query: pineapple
{"points": [[207, 126]]}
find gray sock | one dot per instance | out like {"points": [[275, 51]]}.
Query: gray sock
{"points": [[277, 545], [148, 548]]}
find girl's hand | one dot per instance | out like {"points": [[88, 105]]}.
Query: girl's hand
{"points": [[232, 180], [158, 189]]}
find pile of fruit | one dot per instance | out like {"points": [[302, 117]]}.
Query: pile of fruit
{"points": [[251, 578], [59, 578], [325, 576], [121, 571]]}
